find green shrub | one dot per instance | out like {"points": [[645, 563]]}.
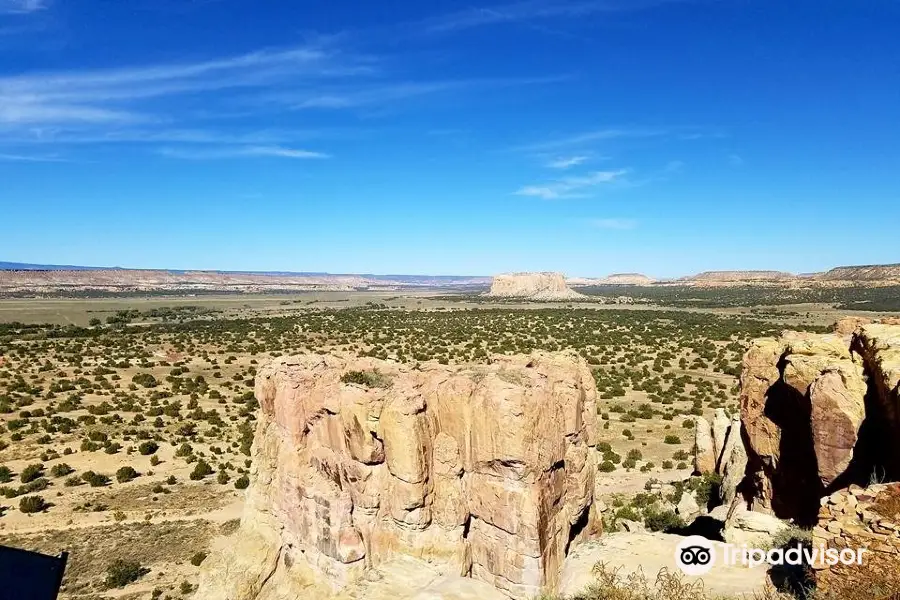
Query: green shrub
{"points": [[223, 477], [242, 482], [120, 573], [672, 439], [662, 520], [627, 512], [184, 450], [145, 379], [95, 479], [41, 483], [147, 448], [61, 470], [371, 379], [198, 558], [32, 504], [201, 470], [705, 487], [126, 474], [31, 472], [5, 474], [606, 467]]}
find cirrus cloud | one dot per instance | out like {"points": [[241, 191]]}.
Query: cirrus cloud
{"points": [[571, 187]]}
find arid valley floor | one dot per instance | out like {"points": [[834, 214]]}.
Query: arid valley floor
{"points": [[132, 417]]}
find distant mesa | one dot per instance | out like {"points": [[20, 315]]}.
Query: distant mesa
{"points": [[545, 286], [863, 273], [614, 279], [733, 276]]}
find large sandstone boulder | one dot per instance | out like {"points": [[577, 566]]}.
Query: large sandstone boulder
{"points": [[484, 469], [532, 286], [819, 411], [704, 448], [720, 426]]}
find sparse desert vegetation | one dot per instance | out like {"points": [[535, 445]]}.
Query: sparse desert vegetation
{"points": [[134, 426]]}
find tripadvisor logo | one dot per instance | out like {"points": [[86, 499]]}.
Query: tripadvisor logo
{"points": [[696, 555]]}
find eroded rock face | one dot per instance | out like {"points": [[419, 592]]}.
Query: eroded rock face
{"points": [[819, 411], [485, 469], [532, 286], [704, 448]]}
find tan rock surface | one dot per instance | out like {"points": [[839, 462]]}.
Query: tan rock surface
{"points": [[720, 426], [704, 450], [532, 286], [484, 470], [803, 408], [734, 464]]}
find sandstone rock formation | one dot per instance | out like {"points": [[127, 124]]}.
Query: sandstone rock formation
{"points": [[704, 449], [719, 450], [532, 286], [819, 412], [752, 528], [720, 426], [484, 469], [860, 518]]}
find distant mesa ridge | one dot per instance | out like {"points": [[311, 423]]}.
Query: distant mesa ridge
{"points": [[613, 279], [739, 276], [863, 273], [27, 278]]}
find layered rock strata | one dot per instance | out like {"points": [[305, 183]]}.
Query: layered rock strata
{"points": [[486, 469], [532, 286]]}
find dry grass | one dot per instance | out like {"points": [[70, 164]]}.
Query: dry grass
{"points": [[612, 584]]}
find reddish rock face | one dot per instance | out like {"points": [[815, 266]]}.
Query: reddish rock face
{"points": [[485, 467]]}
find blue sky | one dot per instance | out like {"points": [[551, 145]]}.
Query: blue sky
{"points": [[587, 136]]}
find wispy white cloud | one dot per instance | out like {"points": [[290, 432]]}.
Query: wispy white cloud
{"points": [[216, 153], [111, 94], [591, 136], [735, 160], [21, 6], [30, 158], [74, 135], [386, 93], [531, 10], [23, 111], [613, 223], [571, 187], [189, 103], [566, 162]]}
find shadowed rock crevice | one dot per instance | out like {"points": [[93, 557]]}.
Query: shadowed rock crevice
{"points": [[796, 488]]}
